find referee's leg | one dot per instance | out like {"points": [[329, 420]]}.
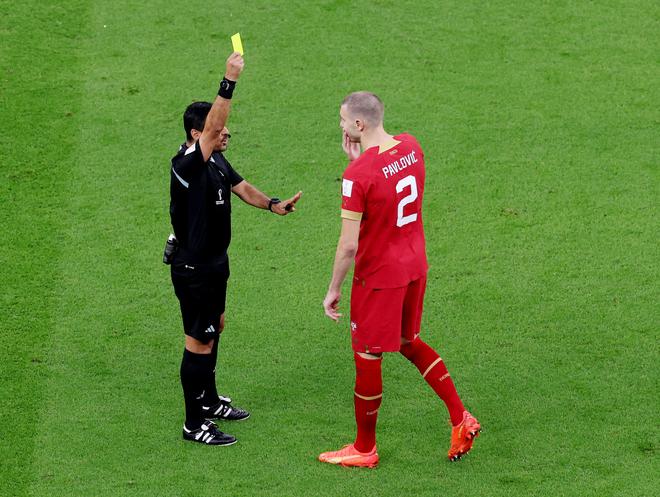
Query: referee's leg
{"points": [[211, 395], [197, 347], [214, 405], [196, 367]]}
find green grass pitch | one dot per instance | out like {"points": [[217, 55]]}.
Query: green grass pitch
{"points": [[540, 122]]}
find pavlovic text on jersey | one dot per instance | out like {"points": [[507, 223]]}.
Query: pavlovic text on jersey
{"points": [[399, 165]]}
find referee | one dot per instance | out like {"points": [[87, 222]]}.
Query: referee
{"points": [[201, 184]]}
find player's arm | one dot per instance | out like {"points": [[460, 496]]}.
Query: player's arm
{"points": [[249, 194], [344, 258], [217, 117]]}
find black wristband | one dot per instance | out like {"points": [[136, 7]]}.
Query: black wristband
{"points": [[226, 88]]}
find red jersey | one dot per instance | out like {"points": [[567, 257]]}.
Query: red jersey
{"points": [[385, 191]]}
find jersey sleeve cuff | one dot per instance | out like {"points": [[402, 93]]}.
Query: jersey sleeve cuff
{"points": [[353, 216]]}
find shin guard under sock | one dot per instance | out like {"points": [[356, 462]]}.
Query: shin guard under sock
{"points": [[433, 370], [211, 396], [367, 399]]}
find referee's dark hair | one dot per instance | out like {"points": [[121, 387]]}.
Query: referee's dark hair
{"points": [[195, 116]]}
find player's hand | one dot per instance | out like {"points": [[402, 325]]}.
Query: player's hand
{"points": [[287, 206], [235, 65], [351, 149], [331, 304]]}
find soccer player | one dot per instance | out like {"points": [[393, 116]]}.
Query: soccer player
{"points": [[382, 232], [201, 184]]}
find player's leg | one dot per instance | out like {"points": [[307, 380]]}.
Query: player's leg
{"points": [[367, 397], [425, 358], [434, 371], [375, 328]]}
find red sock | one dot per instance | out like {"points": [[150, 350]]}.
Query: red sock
{"points": [[435, 373], [367, 399]]}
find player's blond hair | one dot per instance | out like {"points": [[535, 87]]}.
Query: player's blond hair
{"points": [[365, 105]]}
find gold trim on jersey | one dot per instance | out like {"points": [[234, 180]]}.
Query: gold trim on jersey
{"points": [[388, 145], [353, 216]]}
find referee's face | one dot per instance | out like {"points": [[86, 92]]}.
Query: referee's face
{"points": [[224, 139]]}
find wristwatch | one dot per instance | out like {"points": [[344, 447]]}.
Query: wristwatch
{"points": [[272, 202]]}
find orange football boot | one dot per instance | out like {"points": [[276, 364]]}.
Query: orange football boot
{"points": [[349, 456], [462, 436]]}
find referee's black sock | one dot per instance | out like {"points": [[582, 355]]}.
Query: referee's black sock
{"points": [[211, 396], [195, 370]]}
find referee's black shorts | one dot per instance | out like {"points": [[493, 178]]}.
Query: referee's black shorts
{"points": [[202, 291]]}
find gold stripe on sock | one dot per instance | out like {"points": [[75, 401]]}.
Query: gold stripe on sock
{"points": [[439, 359], [368, 398]]}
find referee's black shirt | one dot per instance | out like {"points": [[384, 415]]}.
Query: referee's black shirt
{"points": [[200, 208]]}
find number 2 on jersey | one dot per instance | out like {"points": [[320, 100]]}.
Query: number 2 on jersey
{"points": [[408, 181]]}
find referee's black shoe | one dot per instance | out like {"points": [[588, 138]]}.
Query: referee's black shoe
{"points": [[224, 410], [208, 434]]}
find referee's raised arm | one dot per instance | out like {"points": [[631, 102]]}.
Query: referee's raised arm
{"points": [[219, 112]]}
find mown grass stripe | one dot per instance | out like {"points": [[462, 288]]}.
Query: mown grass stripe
{"points": [[40, 98]]}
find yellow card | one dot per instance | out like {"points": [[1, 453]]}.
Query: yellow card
{"points": [[237, 43]]}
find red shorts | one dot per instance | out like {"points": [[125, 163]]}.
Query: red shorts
{"points": [[380, 317]]}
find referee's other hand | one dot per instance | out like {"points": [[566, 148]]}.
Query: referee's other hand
{"points": [[287, 206], [235, 65]]}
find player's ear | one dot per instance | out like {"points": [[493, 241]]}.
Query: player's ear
{"points": [[359, 124], [195, 134]]}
